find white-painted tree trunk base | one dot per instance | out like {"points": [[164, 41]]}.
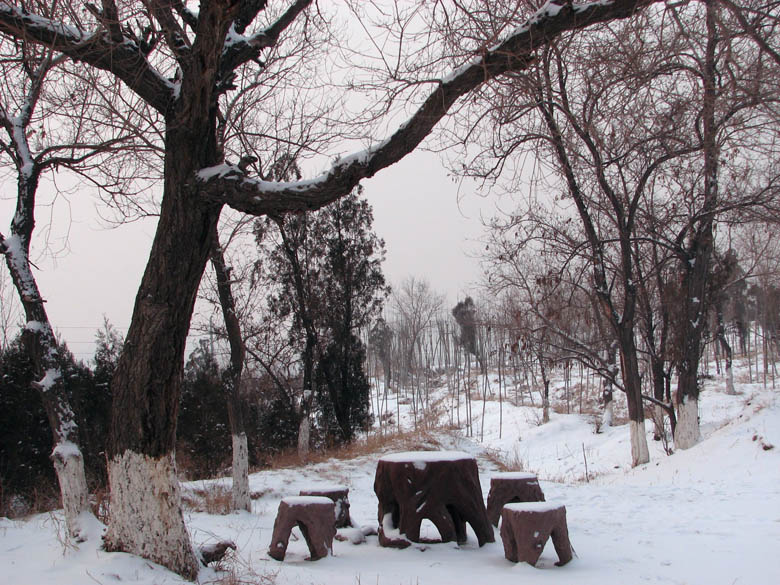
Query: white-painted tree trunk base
{"points": [[687, 433], [146, 517], [730, 381], [69, 466], [241, 500], [639, 451], [609, 414], [304, 432]]}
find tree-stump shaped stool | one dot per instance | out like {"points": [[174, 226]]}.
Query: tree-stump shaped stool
{"points": [[314, 516], [509, 488], [526, 527], [441, 486], [339, 494]]}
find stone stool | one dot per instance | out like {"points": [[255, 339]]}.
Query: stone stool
{"points": [[511, 487], [339, 494], [526, 527], [314, 516]]}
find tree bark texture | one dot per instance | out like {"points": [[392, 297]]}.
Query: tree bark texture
{"points": [[146, 516], [241, 498]]}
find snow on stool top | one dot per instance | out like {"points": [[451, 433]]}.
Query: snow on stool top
{"points": [[532, 506], [306, 500], [325, 488], [513, 475], [425, 456]]}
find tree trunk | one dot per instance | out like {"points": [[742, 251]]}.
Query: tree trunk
{"points": [[633, 384], [607, 393], [657, 372], [41, 345], [232, 379], [687, 433], [727, 352], [546, 394], [697, 257], [241, 498], [146, 516], [304, 435]]}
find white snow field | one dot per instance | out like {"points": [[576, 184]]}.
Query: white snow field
{"points": [[708, 516]]}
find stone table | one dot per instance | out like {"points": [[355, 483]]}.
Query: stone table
{"points": [[441, 486], [340, 496]]}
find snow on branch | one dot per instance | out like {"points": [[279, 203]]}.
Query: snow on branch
{"points": [[124, 59], [229, 184], [239, 49]]}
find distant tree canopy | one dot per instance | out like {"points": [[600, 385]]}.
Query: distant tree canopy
{"points": [[325, 268], [380, 340], [465, 314]]}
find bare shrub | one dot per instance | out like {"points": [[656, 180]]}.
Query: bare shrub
{"points": [[214, 498]]}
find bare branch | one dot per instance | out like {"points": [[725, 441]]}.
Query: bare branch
{"points": [[750, 28], [124, 59], [231, 186], [239, 50]]}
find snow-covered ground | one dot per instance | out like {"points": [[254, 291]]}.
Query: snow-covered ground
{"points": [[709, 515]]}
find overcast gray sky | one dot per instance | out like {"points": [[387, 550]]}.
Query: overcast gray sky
{"points": [[428, 232]]}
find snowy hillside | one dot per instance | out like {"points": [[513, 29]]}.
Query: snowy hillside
{"points": [[708, 516]]}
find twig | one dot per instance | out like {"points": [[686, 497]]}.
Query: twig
{"points": [[585, 458]]}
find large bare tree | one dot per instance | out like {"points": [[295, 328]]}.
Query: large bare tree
{"points": [[180, 62]]}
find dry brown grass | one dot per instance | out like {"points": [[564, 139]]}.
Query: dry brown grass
{"points": [[514, 463], [34, 501], [100, 504], [377, 441], [494, 456], [214, 498]]}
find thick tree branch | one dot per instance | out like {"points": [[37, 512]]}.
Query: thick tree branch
{"points": [[174, 33], [248, 12], [125, 59], [189, 17], [230, 185], [239, 50]]}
